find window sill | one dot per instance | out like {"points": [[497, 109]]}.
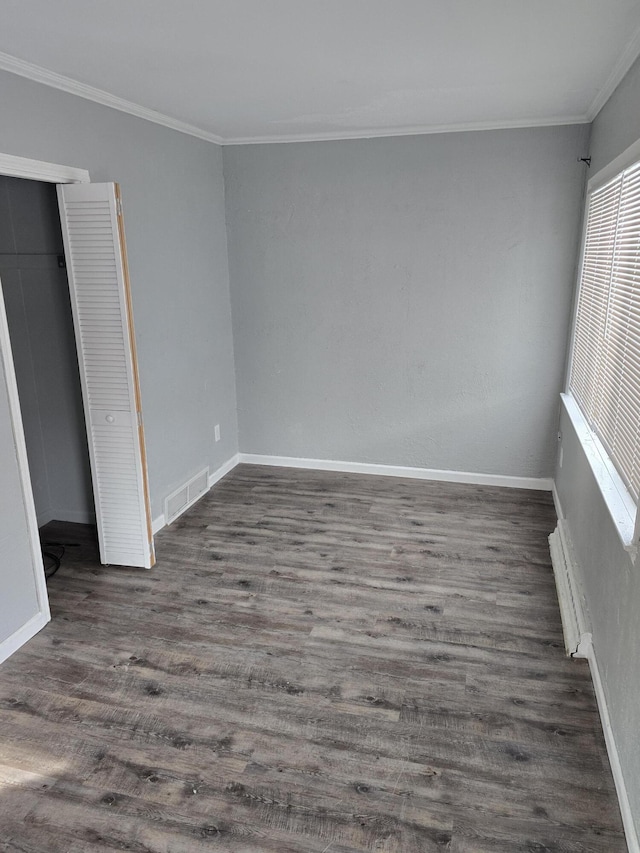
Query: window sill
{"points": [[619, 502]]}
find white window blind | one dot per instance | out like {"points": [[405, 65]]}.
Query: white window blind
{"points": [[605, 365]]}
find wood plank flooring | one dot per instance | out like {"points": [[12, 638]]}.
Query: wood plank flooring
{"points": [[320, 662]]}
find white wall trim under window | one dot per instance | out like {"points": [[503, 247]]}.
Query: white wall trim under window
{"points": [[616, 496]]}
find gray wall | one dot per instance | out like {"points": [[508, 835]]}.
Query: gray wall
{"points": [[36, 296], [611, 583], [173, 199], [18, 597], [405, 301], [611, 586], [617, 126]]}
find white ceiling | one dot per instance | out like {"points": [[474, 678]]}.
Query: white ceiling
{"points": [[271, 70]]}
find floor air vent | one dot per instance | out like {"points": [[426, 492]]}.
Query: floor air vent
{"points": [[176, 503]]}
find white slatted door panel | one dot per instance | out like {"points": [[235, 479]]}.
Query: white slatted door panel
{"points": [[98, 282]]}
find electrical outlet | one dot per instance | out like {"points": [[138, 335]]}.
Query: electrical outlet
{"points": [[217, 432]]}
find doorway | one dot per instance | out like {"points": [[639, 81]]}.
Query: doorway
{"points": [[95, 249], [38, 308]]}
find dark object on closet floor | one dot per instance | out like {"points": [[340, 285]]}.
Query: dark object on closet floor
{"points": [[52, 561]]}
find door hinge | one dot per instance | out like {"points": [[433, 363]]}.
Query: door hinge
{"points": [[139, 418], [118, 206]]}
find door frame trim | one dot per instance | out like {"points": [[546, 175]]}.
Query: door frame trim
{"points": [[39, 170], [22, 167]]}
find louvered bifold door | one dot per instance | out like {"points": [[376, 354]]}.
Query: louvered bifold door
{"points": [[95, 250]]}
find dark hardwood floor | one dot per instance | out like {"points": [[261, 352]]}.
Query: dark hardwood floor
{"points": [[319, 662]]}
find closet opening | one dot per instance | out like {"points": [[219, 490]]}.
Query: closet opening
{"points": [[38, 307]]}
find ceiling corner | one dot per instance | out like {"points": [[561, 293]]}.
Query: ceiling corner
{"points": [[619, 70]]}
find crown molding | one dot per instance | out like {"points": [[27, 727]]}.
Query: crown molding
{"points": [[414, 130], [624, 63], [38, 74], [66, 84]]}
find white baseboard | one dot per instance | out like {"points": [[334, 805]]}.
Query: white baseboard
{"points": [[224, 469], [633, 844], [160, 521], [538, 483], [23, 635], [579, 642]]}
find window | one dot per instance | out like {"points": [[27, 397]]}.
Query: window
{"points": [[604, 376]]}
